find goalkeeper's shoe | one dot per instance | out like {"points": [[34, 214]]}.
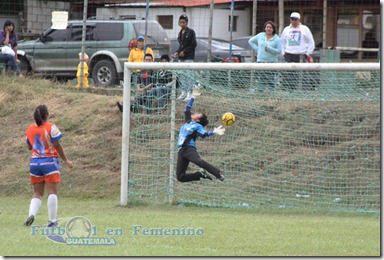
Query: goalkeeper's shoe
{"points": [[221, 177], [29, 220], [204, 174]]}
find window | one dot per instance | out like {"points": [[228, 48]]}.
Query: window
{"points": [[128, 17], [77, 33], [155, 33], [166, 21], [57, 36], [108, 31], [234, 28], [348, 32], [358, 28]]}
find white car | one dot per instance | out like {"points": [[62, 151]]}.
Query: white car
{"points": [[220, 51]]}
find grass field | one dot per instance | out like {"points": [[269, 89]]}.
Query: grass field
{"points": [[226, 232]]}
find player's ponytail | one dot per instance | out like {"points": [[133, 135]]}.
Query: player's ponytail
{"points": [[41, 114], [203, 120]]}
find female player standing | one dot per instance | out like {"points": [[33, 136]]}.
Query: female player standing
{"points": [[43, 139]]}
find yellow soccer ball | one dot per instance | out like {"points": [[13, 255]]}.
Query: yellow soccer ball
{"points": [[228, 119]]}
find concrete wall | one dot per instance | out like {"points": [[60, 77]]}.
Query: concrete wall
{"points": [[198, 19], [38, 16]]}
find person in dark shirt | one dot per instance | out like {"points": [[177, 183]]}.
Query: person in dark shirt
{"points": [[370, 42], [186, 53]]}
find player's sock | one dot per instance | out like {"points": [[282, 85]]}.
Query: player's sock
{"points": [[34, 206], [33, 209], [52, 207]]}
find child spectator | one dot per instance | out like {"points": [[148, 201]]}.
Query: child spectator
{"points": [[79, 75]]}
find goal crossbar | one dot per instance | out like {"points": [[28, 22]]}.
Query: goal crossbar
{"points": [[253, 66]]}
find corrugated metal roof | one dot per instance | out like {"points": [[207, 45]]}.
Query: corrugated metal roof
{"points": [[180, 3]]}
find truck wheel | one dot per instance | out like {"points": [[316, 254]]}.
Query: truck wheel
{"points": [[24, 66], [104, 73]]}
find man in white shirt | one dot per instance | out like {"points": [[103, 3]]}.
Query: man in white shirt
{"points": [[297, 45], [297, 41]]}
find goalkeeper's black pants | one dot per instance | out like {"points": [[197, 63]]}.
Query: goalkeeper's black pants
{"points": [[189, 154]]}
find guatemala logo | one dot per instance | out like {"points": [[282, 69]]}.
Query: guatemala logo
{"points": [[76, 231]]}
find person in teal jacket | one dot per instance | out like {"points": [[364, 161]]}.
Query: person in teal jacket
{"points": [[267, 45]]}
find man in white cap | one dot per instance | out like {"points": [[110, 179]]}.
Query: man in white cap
{"points": [[297, 42]]}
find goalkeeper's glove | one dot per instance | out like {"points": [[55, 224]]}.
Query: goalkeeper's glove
{"points": [[219, 130], [196, 92]]}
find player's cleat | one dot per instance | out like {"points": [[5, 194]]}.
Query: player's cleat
{"points": [[221, 177], [204, 174], [52, 224], [29, 220]]}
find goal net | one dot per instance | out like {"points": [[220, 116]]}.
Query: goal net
{"points": [[305, 136]]}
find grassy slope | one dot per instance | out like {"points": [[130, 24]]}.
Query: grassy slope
{"points": [[90, 123]]}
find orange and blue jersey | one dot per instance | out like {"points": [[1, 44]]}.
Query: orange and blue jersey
{"points": [[44, 163], [41, 138]]}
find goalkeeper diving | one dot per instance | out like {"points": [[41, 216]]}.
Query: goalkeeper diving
{"points": [[192, 129]]}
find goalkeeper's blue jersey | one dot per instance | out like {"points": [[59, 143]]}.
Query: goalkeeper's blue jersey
{"points": [[188, 129]]}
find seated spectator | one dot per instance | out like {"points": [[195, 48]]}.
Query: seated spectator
{"points": [[151, 85], [143, 97], [9, 60], [8, 40], [163, 85]]}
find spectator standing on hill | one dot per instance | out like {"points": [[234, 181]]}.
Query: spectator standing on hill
{"points": [[137, 55], [297, 46], [186, 53], [267, 45], [82, 75], [43, 139]]}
